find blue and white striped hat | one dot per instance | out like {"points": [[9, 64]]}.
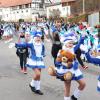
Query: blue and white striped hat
{"points": [[38, 34], [70, 37]]}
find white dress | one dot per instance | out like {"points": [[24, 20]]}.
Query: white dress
{"points": [[36, 61]]}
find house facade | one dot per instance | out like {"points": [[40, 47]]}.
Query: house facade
{"points": [[63, 11], [64, 7], [28, 10]]}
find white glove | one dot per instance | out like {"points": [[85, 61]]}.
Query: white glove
{"points": [[11, 45], [84, 48]]}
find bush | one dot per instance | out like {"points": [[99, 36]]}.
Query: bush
{"points": [[77, 18], [21, 20]]}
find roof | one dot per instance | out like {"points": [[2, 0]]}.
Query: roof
{"points": [[9, 3], [63, 1]]}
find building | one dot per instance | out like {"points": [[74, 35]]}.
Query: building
{"points": [[63, 6], [29, 10]]}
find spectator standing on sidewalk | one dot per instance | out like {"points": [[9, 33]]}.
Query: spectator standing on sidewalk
{"points": [[22, 53]]}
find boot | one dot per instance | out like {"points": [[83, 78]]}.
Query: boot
{"points": [[73, 98]]}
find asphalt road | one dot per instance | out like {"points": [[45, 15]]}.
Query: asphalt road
{"points": [[14, 85]]}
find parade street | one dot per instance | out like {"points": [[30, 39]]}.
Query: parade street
{"points": [[14, 85]]}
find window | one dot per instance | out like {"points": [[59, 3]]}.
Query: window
{"points": [[33, 5], [0, 10], [26, 10], [36, 5], [41, 5], [64, 9], [27, 5], [30, 5], [20, 7], [14, 8]]}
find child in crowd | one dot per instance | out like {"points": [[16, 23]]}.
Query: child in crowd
{"points": [[69, 46], [35, 61], [66, 68], [22, 53], [93, 56]]}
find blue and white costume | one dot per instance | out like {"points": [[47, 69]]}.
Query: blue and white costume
{"points": [[36, 56], [37, 52], [61, 70], [94, 60]]}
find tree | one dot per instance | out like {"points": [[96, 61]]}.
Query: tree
{"points": [[21, 20], [55, 13], [90, 6]]}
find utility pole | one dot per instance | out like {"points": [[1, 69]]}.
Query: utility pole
{"points": [[67, 10], [83, 6]]}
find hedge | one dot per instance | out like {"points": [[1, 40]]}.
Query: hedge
{"points": [[78, 18]]}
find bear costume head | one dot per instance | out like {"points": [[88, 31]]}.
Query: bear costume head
{"points": [[65, 57]]}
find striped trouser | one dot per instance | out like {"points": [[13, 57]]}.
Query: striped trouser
{"points": [[98, 86]]}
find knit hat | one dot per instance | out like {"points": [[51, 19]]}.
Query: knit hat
{"points": [[38, 34], [70, 37]]}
